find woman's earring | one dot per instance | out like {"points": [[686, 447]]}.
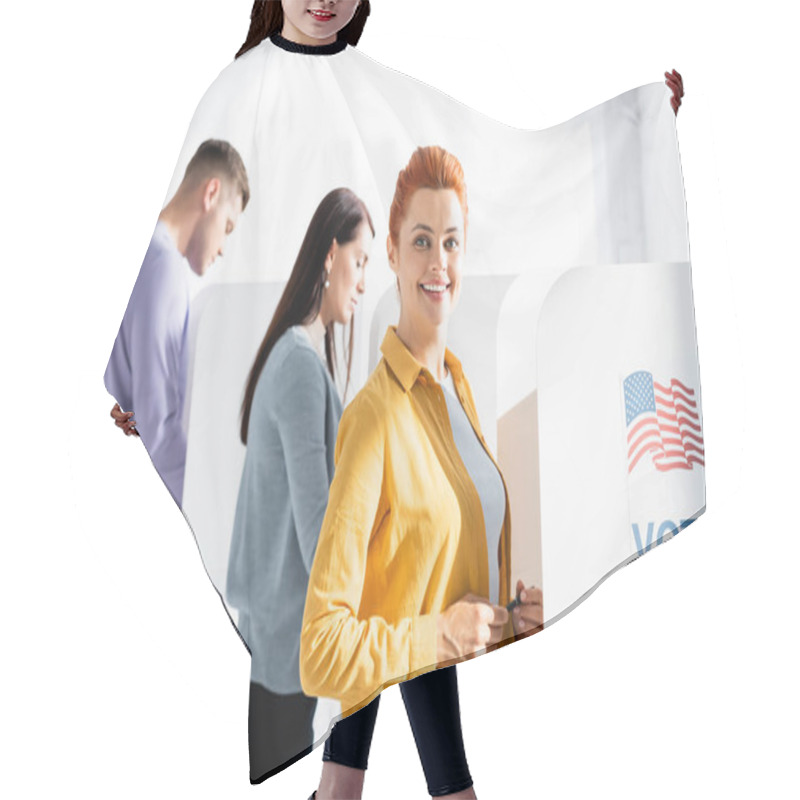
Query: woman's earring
{"points": [[327, 283]]}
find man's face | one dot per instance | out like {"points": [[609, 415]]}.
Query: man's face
{"points": [[221, 206]]}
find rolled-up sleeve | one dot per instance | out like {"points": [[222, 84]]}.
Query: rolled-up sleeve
{"points": [[341, 655]]}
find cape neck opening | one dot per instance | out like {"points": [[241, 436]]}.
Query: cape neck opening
{"points": [[308, 49]]}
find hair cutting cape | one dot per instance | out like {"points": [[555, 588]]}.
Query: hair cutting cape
{"points": [[575, 326]]}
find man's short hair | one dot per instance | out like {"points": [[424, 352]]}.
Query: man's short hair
{"points": [[215, 156]]}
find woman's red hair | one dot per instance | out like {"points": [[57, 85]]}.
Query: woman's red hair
{"points": [[429, 168]]}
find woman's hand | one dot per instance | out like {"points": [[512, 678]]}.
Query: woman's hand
{"points": [[124, 420], [469, 625], [675, 82], [528, 615]]}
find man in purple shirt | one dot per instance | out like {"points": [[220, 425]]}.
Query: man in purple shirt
{"points": [[147, 369]]}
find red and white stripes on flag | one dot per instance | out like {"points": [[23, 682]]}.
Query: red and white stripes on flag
{"points": [[662, 420]]}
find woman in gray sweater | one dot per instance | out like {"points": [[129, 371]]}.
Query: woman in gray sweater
{"points": [[290, 418]]}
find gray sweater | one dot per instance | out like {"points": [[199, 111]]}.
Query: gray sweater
{"points": [[282, 499]]}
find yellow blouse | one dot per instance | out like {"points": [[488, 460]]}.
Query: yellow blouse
{"points": [[402, 539]]}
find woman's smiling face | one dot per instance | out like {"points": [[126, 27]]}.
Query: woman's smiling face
{"points": [[427, 257], [316, 21]]}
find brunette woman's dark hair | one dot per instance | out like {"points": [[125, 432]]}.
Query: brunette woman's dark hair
{"points": [[338, 217], [266, 19]]}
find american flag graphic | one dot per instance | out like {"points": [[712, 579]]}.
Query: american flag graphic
{"points": [[662, 420]]}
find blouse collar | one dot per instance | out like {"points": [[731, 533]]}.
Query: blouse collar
{"points": [[405, 367]]}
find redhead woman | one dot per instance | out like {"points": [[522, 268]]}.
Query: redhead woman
{"points": [[431, 702], [412, 566]]}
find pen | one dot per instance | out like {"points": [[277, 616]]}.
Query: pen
{"points": [[513, 604]]}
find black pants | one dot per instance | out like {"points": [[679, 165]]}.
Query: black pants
{"points": [[280, 730], [432, 706]]}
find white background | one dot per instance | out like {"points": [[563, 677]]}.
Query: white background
{"points": [[121, 675]]}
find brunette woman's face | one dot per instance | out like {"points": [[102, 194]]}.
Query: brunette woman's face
{"points": [[319, 20], [346, 264], [427, 257]]}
